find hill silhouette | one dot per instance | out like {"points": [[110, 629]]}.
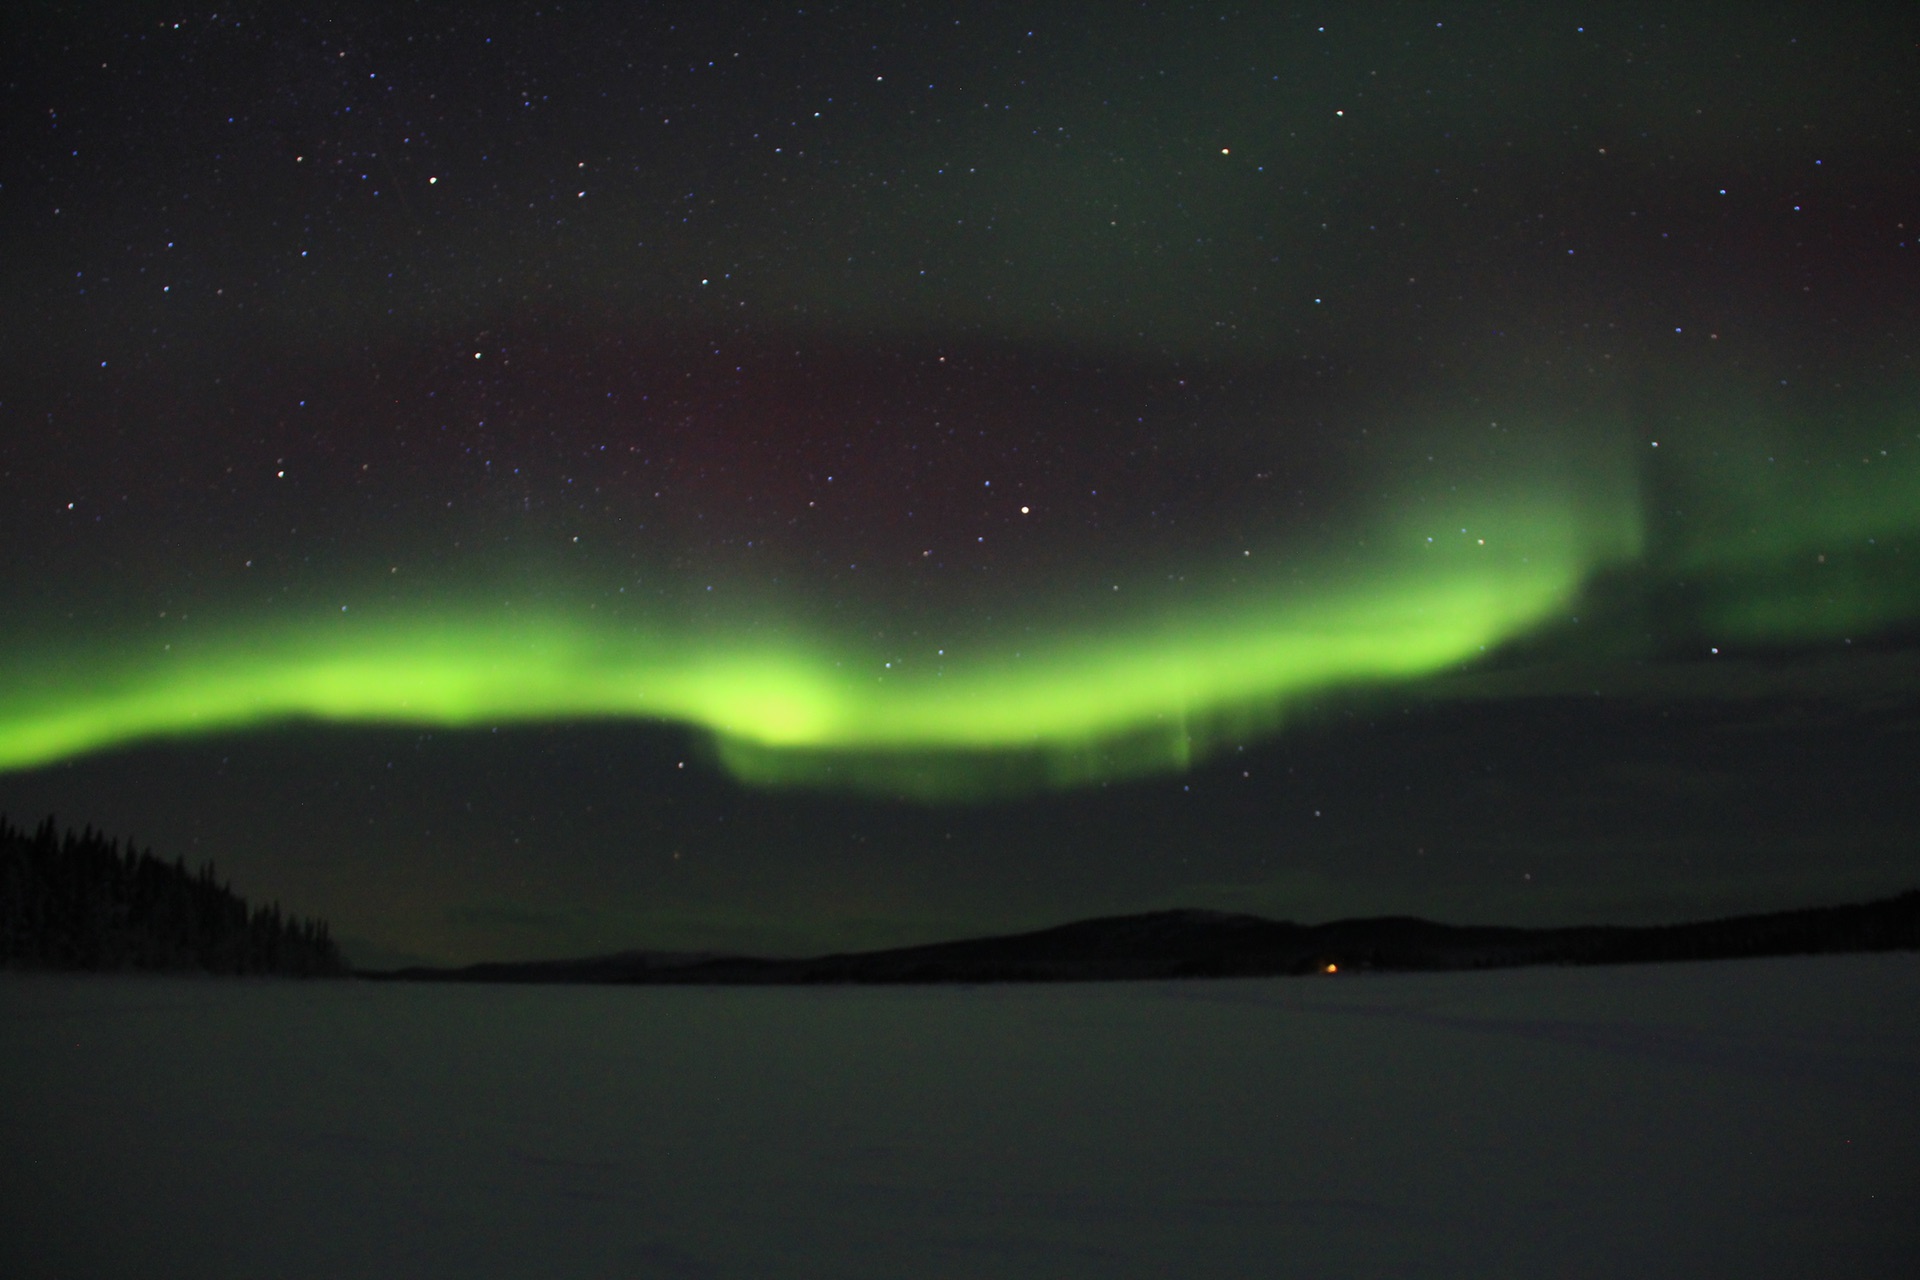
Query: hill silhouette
{"points": [[1212, 944]]}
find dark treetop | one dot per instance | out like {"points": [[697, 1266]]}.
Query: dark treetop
{"points": [[78, 901]]}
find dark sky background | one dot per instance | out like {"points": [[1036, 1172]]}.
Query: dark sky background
{"points": [[530, 480]]}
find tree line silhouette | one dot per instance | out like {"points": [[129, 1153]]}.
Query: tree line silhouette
{"points": [[79, 901]]}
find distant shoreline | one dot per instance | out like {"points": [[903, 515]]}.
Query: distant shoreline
{"points": [[1212, 944]]}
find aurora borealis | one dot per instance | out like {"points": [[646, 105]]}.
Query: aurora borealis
{"points": [[971, 411], [1437, 598]]}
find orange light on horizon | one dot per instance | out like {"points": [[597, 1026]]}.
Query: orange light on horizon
{"points": [[1333, 968]]}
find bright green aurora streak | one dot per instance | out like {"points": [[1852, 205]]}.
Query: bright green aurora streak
{"points": [[1149, 689], [1151, 692]]}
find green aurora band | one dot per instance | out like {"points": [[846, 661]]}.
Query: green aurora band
{"points": [[774, 707], [1797, 532], [1151, 689]]}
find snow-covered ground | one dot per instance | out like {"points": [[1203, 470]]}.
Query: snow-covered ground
{"points": [[1751, 1119]]}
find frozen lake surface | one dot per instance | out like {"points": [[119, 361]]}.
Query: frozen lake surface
{"points": [[1749, 1118]]}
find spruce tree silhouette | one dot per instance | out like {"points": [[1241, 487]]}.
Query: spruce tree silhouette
{"points": [[79, 901]]}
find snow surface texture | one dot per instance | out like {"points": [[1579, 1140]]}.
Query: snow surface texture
{"points": [[1751, 1118]]}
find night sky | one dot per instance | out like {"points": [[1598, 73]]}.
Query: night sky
{"points": [[531, 480]]}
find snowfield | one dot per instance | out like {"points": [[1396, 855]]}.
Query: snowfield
{"points": [[1748, 1118]]}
